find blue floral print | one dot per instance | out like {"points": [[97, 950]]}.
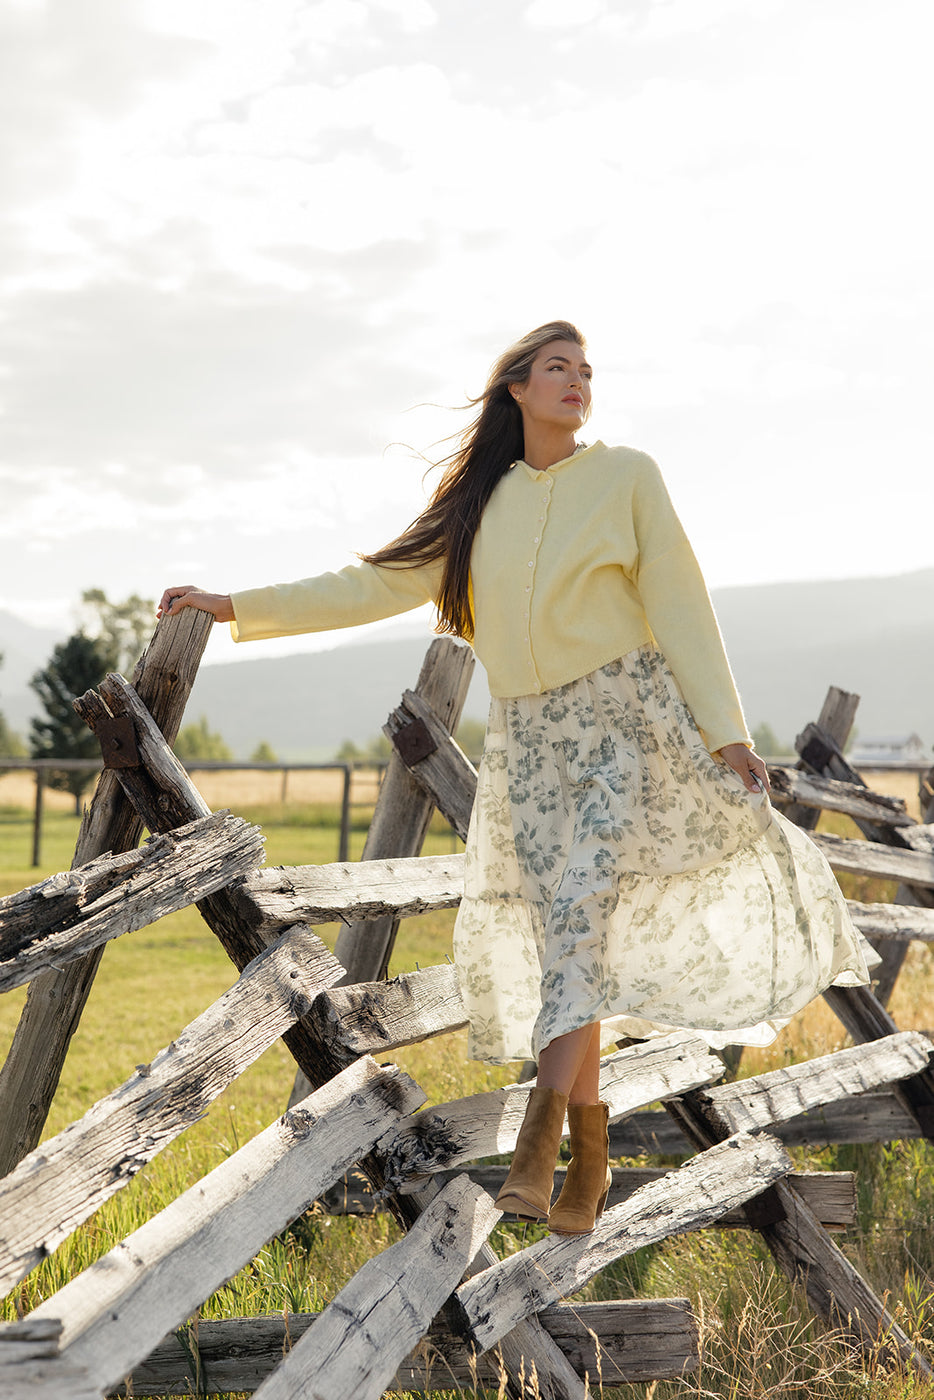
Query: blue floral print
{"points": [[617, 872]]}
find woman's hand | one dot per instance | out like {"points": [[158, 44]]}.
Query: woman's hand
{"points": [[747, 763], [189, 596]]}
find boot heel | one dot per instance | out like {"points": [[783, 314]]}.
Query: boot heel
{"points": [[588, 1180], [526, 1192]]}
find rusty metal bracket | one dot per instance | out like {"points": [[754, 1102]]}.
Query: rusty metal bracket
{"points": [[413, 742], [118, 741]]}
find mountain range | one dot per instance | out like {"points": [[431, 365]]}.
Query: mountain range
{"points": [[787, 642]]}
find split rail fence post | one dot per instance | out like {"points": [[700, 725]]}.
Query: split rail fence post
{"points": [[403, 809], [164, 676], [343, 846], [37, 819]]}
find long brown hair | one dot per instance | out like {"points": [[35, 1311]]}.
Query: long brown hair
{"points": [[488, 447]]}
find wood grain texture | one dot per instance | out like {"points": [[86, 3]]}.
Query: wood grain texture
{"points": [[71, 913], [447, 775], [872, 1117], [639, 1340], [835, 1290], [883, 862], [897, 921], [831, 1195], [318, 894], [115, 1312], [699, 1192], [828, 794], [354, 1348], [769, 1099], [372, 1018], [807, 1255], [835, 719], [30, 1366], [60, 1184]]}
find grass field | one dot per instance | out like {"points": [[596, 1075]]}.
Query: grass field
{"points": [[759, 1338]]}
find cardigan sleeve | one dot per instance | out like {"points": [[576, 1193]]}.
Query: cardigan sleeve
{"points": [[681, 616], [359, 593]]}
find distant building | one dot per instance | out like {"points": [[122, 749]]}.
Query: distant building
{"points": [[885, 748]]}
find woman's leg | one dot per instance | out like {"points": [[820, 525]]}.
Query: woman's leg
{"points": [[573, 1060], [571, 1064]]}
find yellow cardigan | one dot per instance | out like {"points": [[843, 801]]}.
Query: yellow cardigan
{"points": [[571, 567]]}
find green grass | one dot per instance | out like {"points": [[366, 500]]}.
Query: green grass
{"points": [[760, 1340]]}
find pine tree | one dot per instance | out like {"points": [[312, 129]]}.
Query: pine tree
{"points": [[75, 666]]}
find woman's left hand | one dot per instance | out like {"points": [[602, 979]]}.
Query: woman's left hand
{"points": [[747, 763]]}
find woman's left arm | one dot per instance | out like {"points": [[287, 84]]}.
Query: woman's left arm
{"points": [[747, 763], [683, 623]]}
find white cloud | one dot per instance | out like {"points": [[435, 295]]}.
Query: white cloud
{"points": [[412, 15], [665, 20], [557, 14]]}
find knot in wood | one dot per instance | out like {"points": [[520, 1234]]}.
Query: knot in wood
{"points": [[299, 1122]]}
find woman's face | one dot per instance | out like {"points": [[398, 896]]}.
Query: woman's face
{"points": [[558, 390]]}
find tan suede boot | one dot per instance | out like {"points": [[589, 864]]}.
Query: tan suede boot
{"points": [[587, 1184], [526, 1192]]}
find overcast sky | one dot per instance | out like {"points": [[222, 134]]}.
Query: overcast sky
{"points": [[247, 245]]}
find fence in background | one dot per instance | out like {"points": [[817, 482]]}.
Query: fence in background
{"points": [[42, 766]]}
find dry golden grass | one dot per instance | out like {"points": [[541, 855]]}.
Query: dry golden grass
{"points": [[233, 787], [897, 782], [245, 787], [18, 789]]}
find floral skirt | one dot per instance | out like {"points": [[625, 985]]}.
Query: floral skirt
{"points": [[616, 872]]}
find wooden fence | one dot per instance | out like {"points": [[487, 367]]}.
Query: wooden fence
{"points": [[438, 1307], [42, 767]]}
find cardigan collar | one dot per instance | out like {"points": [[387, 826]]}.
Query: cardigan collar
{"points": [[535, 475]]}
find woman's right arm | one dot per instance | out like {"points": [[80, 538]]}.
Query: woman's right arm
{"points": [[190, 596], [358, 593]]}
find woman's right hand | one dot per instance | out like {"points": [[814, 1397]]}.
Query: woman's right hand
{"points": [[190, 596]]}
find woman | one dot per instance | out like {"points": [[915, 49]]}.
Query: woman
{"points": [[625, 875]]}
